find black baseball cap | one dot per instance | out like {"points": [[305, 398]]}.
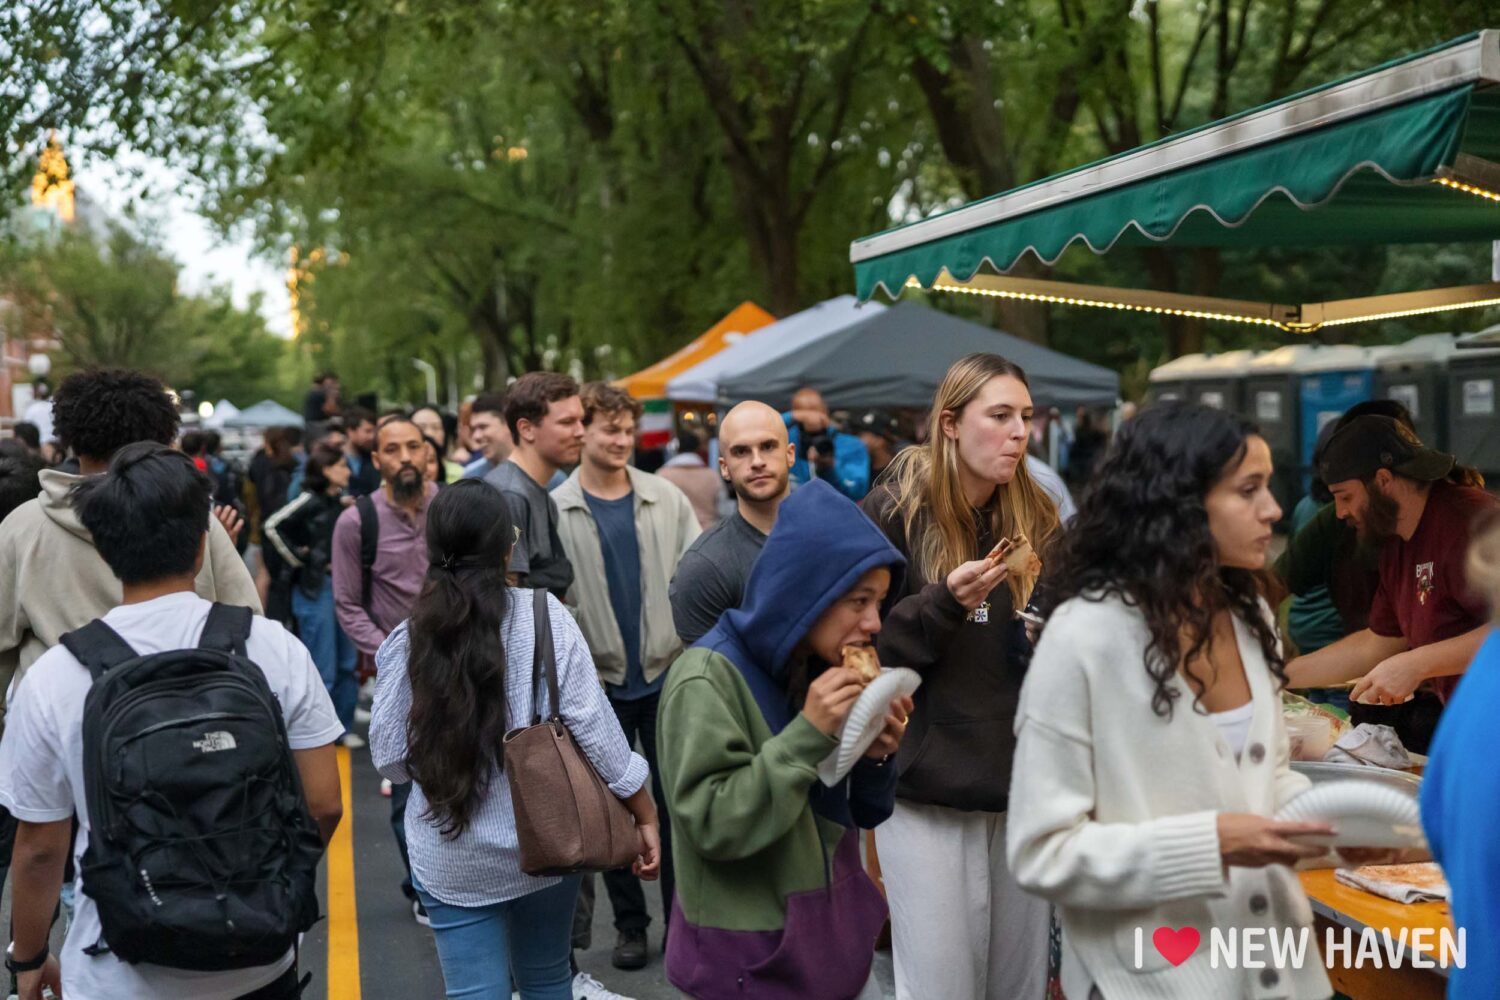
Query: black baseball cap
{"points": [[1369, 443], [879, 422]]}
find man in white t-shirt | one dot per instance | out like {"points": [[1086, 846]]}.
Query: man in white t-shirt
{"points": [[39, 411], [149, 518]]}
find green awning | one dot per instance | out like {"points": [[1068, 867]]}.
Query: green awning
{"points": [[1406, 153]]}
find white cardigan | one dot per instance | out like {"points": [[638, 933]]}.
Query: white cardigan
{"points": [[1113, 815]]}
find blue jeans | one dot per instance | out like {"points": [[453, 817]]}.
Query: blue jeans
{"points": [[332, 652], [480, 946]]}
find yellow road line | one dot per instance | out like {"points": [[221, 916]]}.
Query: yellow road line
{"points": [[343, 920]]}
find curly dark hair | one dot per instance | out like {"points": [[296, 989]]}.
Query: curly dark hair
{"points": [[19, 478], [1142, 535], [456, 661], [99, 411]]}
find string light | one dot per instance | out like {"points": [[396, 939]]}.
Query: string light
{"points": [[1480, 304], [1288, 324], [1480, 192], [1068, 300]]}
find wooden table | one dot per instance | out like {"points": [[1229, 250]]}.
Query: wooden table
{"points": [[1338, 906]]}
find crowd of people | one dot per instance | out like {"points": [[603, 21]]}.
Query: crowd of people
{"points": [[1096, 744]]}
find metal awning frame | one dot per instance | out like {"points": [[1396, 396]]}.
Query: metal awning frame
{"points": [[1301, 318]]}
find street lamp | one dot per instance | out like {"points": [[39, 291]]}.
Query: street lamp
{"points": [[431, 373]]}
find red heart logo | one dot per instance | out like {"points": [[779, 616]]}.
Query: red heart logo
{"points": [[1176, 946]]}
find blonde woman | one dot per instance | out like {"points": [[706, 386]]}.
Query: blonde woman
{"points": [[961, 925], [1461, 792]]}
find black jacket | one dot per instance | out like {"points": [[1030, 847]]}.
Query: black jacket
{"points": [[960, 740], [302, 533]]}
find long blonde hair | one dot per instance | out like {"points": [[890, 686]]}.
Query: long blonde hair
{"points": [[938, 521]]}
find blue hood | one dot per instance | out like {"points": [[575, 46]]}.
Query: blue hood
{"points": [[821, 545]]}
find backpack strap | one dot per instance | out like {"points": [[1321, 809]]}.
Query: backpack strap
{"points": [[369, 546], [227, 629], [543, 660], [98, 647]]}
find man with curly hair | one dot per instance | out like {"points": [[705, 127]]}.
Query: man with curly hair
{"points": [[51, 578]]}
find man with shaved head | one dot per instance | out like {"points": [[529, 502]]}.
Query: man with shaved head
{"points": [[755, 458]]}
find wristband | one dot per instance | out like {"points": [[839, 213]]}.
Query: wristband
{"points": [[16, 968]]}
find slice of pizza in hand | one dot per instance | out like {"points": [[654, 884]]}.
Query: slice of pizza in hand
{"points": [[863, 661], [999, 551], [1021, 560]]}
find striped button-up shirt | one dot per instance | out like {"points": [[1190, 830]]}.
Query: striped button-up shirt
{"points": [[482, 865]]}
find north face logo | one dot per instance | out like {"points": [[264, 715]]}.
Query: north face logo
{"points": [[214, 742]]}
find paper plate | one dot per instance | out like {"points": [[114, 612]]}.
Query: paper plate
{"points": [[1321, 771], [1365, 813], [866, 720]]}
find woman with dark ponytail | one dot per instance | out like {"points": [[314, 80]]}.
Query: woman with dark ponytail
{"points": [[451, 681]]}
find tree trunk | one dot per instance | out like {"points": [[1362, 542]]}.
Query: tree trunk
{"points": [[1020, 318], [1182, 338], [783, 277]]}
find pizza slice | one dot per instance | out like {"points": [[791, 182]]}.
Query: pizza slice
{"points": [[863, 661]]}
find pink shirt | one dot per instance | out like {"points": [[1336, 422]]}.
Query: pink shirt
{"points": [[400, 566]]}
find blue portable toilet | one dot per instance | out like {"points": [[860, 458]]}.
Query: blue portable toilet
{"points": [[1332, 380]]}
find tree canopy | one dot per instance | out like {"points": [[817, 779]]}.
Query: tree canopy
{"points": [[500, 186], [112, 300]]}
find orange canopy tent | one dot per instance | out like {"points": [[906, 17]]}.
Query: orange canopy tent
{"points": [[651, 383]]}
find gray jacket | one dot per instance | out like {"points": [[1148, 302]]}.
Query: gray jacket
{"points": [[665, 526]]}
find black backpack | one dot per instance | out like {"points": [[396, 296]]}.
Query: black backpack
{"points": [[201, 854]]}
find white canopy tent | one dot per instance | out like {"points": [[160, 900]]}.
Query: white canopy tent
{"points": [[700, 384], [224, 411], [266, 413]]}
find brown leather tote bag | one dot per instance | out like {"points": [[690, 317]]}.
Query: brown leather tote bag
{"points": [[567, 819]]}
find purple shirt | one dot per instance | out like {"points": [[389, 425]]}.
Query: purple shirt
{"points": [[400, 565]]}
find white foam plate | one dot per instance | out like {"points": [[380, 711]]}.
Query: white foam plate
{"points": [[865, 721], [1365, 814]]}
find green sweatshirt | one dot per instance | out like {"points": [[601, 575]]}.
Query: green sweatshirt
{"points": [[743, 834]]}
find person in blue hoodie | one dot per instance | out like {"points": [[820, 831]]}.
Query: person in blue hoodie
{"points": [[1461, 791], [772, 903], [822, 450]]}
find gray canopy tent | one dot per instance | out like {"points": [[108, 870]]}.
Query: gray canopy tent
{"points": [[896, 358]]}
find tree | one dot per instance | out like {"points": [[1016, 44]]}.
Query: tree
{"points": [[495, 187], [112, 301], [105, 71]]}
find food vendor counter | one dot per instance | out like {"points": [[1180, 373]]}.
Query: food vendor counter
{"points": [[1338, 906]]}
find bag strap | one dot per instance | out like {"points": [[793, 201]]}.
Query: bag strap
{"points": [[227, 629], [543, 660], [369, 546], [98, 647]]}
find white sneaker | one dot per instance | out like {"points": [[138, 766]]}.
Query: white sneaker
{"points": [[362, 716], [586, 987], [354, 741], [367, 692]]}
